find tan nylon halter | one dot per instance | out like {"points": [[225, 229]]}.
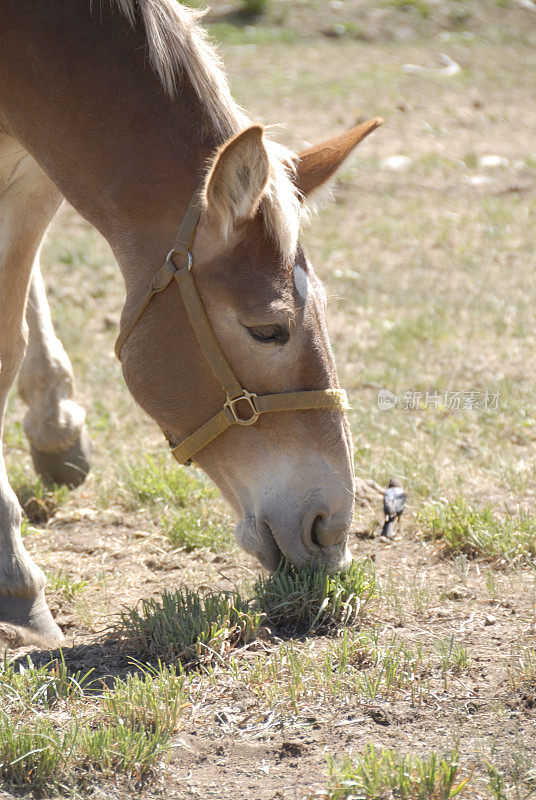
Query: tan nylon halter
{"points": [[252, 404]]}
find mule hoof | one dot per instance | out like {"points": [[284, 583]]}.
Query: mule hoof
{"points": [[26, 621], [68, 467]]}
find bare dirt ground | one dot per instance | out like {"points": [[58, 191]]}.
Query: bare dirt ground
{"points": [[429, 265], [234, 747]]}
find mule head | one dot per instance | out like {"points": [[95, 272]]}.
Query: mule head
{"points": [[290, 475]]}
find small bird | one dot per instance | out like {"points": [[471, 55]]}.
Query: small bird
{"points": [[394, 501]]}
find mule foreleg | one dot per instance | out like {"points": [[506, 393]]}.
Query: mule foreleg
{"points": [[54, 424], [28, 201]]}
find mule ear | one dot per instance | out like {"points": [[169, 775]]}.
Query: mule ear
{"points": [[317, 164], [237, 178]]}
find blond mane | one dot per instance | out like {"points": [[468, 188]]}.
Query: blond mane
{"points": [[176, 43]]}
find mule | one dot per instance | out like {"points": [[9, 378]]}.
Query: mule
{"points": [[122, 107]]}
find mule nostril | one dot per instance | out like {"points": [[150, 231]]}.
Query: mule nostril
{"points": [[322, 529], [317, 522]]}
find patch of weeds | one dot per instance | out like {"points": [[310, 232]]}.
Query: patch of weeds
{"points": [[401, 595], [480, 533], [182, 498], [388, 774], [34, 755], [301, 600], [39, 502], [521, 786], [189, 530], [453, 656], [231, 34], [185, 626], [254, 8], [158, 481], [522, 678], [23, 686], [400, 668], [118, 748], [61, 583], [491, 586], [420, 6], [292, 675], [39, 756], [25, 528], [359, 650], [288, 675], [355, 667], [151, 701], [127, 733]]}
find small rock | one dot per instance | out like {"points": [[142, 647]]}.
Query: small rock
{"points": [[404, 33], [492, 161], [478, 180], [489, 619], [447, 69], [458, 593], [396, 163], [532, 629], [380, 716]]}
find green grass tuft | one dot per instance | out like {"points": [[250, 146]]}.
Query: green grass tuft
{"points": [[127, 733], [190, 530], [388, 774], [453, 656], [302, 599], [192, 629], [61, 583], [187, 627], [118, 748], [254, 8], [34, 755], [158, 480], [27, 686], [150, 701], [180, 499], [480, 533]]}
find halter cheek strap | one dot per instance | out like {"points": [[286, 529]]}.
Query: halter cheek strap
{"points": [[241, 407]]}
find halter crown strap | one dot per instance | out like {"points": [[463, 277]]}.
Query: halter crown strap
{"points": [[241, 407], [183, 243]]}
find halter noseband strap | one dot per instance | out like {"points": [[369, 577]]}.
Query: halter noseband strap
{"points": [[241, 407]]}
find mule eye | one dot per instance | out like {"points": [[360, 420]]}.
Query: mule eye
{"points": [[269, 334]]}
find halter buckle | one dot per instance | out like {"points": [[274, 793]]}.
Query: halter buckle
{"points": [[246, 397], [187, 267]]}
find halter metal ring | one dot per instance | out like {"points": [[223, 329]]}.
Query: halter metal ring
{"points": [[190, 259], [246, 397]]}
